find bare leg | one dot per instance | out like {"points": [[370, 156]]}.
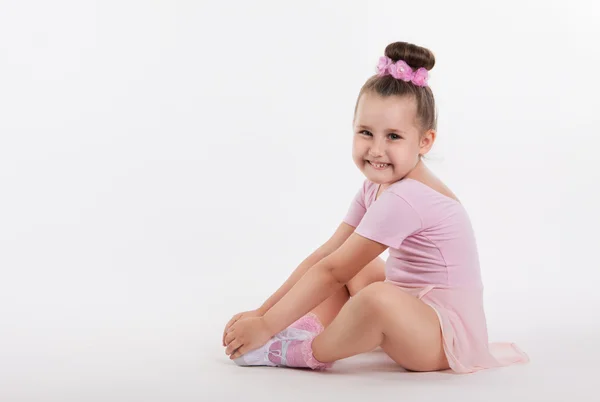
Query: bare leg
{"points": [[383, 315], [329, 309]]}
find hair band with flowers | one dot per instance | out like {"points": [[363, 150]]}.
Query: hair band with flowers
{"points": [[402, 71]]}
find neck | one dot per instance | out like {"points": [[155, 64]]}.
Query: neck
{"points": [[420, 169]]}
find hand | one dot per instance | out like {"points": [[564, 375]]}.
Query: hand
{"points": [[246, 335], [239, 316]]}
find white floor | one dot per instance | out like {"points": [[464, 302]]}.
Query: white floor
{"points": [[142, 362], [158, 338], [152, 333], [555, 373]]}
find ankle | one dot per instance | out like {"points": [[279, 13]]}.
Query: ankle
{"points": [[314, 362], [309, 322]]}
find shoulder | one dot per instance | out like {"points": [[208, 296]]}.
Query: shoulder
{"points": [[368, 189], [412, 189], [425, 200], [368, 185]]}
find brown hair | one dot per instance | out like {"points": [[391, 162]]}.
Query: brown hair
{"points": [[415, 56]]}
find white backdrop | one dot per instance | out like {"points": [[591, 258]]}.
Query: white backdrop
{"points": [[164, 165]]}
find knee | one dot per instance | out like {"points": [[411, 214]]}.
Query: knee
{"points": [[353, 287], [357, 284], [373, 296], [371, 273]]}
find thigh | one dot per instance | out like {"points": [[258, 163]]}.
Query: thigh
{"points": [[371, 273], [411, 328]]}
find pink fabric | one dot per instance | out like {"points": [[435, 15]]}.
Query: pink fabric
{"points": [[309, 322], [433, 256], [311, 361], [298, 354]]}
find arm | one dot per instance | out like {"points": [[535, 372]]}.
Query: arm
{"points": [[322, 280], [341, 234], [388, 222], [354, 215]]}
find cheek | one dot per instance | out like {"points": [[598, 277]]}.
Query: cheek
{"points": [[411, 149], [357, 149], [357, 157], [404, 155]]}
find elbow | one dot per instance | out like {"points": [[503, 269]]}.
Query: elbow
{"points": [[335, 275]]}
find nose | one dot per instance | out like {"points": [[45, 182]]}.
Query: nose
{"points": [[377, 148]]}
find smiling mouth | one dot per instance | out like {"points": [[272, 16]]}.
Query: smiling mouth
{"points": [[379, 166]]}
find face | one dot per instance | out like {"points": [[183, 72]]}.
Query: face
{"points": [[386, 132]]}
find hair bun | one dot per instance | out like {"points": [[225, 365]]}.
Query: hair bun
{"points": [[415, 56]]}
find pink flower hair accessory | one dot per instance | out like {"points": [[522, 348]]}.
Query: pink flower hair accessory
{"points": [[383, 65], [400, 70]]}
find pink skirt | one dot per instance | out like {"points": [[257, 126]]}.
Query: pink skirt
{"points": [[464, 328]]}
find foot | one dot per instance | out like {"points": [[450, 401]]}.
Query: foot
{"points": [[260, 356]]}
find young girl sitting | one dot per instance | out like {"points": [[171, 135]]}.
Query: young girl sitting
{"points": [[424, 305]]}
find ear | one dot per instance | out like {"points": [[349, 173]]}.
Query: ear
{"points": [[426, 141]]}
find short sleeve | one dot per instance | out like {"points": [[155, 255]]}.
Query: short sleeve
{"points": [[357, 208], [389, 220]]}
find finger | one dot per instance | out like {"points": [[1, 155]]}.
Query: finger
{"points": [[230, 337], [233, 320], [229, 324], [233, 346], [239, 352], [224, 334]]}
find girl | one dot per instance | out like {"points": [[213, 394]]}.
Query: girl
{"points": [[424, 305]]}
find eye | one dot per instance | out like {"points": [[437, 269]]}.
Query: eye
{"points": [[392, 135]]}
